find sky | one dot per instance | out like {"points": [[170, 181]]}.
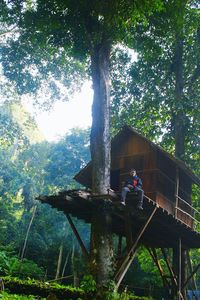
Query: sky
{"points": [[65, 115]]}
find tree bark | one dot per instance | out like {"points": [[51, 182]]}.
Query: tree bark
{"points": [[101, 258], [100, 132], [180, 122], [101, 262], [180, 129]]}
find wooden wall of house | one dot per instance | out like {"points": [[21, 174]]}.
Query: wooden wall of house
{"points": [[167, 179], [132, 151], [157, 171]]}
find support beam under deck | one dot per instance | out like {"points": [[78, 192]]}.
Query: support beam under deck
{"points": [[131, 254]]}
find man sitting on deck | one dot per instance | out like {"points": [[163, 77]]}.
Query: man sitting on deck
{"points": [[133, 183]]}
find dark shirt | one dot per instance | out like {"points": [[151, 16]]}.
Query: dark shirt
{"points": [[135, 181]]}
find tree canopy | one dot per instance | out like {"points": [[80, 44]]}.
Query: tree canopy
{"points": [[145, 93], [56, 44]]}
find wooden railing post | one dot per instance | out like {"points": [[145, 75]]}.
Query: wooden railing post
{"points": [[176, 190]]}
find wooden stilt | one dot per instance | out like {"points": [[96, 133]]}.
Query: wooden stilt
{"points": [[177, 289], [128, 228], [176, 190], [194, 286], [175, 261], [183, 271], [174, 282], [180, 295], [131, 254], [83, 248], [179, 269], [191, 275], [154, 256], [119, 248]]}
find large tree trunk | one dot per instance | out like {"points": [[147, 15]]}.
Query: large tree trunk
{"points": [[179, 126], [100, 132], [101, 262], [180, 122]]}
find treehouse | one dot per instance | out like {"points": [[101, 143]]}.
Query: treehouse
{"points": [[168, 220], [166, 180]]}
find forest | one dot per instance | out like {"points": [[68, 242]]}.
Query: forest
{"points": [[47, 50]]}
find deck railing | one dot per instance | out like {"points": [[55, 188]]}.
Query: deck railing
{"points": [[190, 212]]}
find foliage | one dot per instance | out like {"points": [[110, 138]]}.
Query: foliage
{"points": [[59, 54], [61, 292], [25, 268], [26, 173], [11, 133], [56, 45], [66, 155], [11, 265], [32, 287], [6, 296], [149, 268], [88, 284], [144, 92]]}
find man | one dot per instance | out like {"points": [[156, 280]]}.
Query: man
{"points": [[133, 183]]}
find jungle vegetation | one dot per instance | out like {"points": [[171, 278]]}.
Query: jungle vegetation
{"points": [[54, 44]]}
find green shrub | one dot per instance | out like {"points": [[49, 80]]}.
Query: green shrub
{"points": [[42, 289], [88, 284], [25, 268], [6, 296], [13, 266]]}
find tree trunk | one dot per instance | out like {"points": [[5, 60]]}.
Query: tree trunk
{"points": [[74, 270], [180, 129], [59, 261], [27, 233], [100, 132], [101, 261], [65, 264], [180, 122]]}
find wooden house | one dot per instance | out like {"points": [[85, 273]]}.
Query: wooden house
{"points": [[168, 221], [166, 180]]}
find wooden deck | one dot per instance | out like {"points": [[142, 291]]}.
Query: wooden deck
{"points": [[163, 231]]}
